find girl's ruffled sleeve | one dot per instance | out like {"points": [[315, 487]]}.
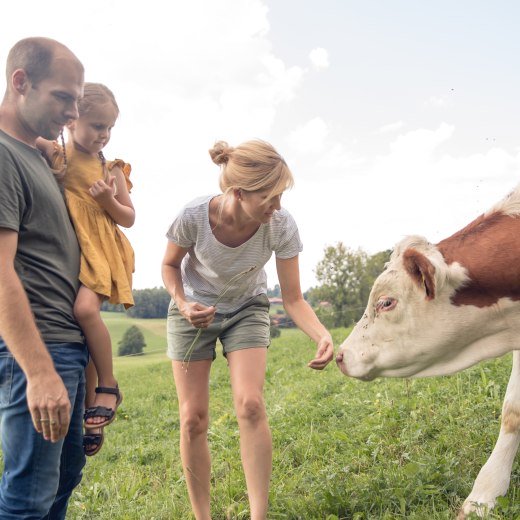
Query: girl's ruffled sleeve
{"points": [[125, 168]]}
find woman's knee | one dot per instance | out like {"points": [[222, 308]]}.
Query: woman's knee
{"points": [[250, 408], [194, 422]]}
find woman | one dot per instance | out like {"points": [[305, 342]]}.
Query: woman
{"points": [[213, 269]]}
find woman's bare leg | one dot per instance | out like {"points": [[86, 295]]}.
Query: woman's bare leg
{"points": [[193, 394], [247, 370]]}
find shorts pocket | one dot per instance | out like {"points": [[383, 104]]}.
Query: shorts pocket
{"points": [[172, 307], [6, 377]]}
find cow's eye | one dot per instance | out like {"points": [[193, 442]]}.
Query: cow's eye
{"points": [[385, 304]]}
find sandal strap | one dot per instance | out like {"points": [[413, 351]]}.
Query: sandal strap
{"points": [[92, 438], [107, 390], [98, 411]]}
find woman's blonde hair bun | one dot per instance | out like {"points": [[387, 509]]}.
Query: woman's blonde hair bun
{"points": [[220, 152], [251, 166]]}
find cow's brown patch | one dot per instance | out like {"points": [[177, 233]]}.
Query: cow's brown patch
{"points": [[489, 248]]}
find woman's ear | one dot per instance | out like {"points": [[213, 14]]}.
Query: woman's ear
{"points": [[237, 192]]}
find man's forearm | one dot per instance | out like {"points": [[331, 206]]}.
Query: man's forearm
{"points": [[18, 328]]}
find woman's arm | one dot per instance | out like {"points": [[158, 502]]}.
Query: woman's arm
{"points": [[301, 312], [119, 206], [197, 314]]}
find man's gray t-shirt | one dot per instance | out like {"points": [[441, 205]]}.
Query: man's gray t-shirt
{"points": [[210, 265], [47, 258]]}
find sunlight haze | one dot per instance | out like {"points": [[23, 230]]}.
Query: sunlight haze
{"points": [[396, 117]]}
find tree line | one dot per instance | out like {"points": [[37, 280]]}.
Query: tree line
{"points": [[345, 277]]}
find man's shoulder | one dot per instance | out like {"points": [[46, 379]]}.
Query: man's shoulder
{"points": [[11, 147]]}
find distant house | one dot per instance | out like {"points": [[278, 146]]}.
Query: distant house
{"points": [[325, 305], [275, 301]]}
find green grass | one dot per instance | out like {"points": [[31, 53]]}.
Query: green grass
{"points": [[343, 449]]}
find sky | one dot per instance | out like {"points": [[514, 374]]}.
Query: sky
{"points": [[396, 117]]}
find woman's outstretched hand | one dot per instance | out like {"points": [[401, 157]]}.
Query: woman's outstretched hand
{"points": [[324, 354]]}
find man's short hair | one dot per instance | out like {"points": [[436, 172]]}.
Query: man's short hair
{"points": [[34, 55]]}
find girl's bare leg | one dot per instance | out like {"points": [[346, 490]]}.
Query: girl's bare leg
{"points": [[87, 311], [90, 395], [193, 394], [247, 370], [91, 383]]}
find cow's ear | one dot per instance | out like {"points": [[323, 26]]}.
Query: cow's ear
{"points": [[421, 270]]}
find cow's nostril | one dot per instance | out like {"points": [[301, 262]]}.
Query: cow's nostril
{"points": [[339, 357]]}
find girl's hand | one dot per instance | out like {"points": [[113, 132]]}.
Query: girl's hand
{"points": [[197, 314], [102, 192], [324, 354]]}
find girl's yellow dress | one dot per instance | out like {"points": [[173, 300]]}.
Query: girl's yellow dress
{"points": [[107, 258]]}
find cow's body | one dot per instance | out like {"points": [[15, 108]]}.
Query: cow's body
{"points": [[438, 309]]}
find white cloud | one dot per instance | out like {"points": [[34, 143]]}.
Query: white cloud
{"points": [[209, 70], [419, 144], [437, 101], [310, 137], [413, 188], [391, 127], [319, 58]]}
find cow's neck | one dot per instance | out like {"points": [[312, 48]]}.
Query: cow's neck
{"points": [[489, 248]]}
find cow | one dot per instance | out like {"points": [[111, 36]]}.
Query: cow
{"points": [[439, 308]]}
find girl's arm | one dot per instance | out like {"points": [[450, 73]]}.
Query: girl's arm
{"points": [[46, 147], [197, 314], [119, 207], [301, 312]]}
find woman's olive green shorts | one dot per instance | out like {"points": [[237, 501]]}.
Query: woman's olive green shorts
{"points": [[247, 327]]}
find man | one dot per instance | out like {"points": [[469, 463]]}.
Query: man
{"points": [[42, 351]]}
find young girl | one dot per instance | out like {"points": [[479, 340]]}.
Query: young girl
{"points": [[213, 269], [97, 195]]}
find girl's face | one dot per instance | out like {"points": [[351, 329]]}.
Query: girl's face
{"points": [[91, 131], [260, 205]]}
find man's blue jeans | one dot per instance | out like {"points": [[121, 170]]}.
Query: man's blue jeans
{"points": [[39, 475]]}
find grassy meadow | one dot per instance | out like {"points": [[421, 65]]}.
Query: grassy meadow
{"points": [[343, 449]]}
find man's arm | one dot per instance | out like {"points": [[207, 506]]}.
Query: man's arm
{"points": [[47, 397]]}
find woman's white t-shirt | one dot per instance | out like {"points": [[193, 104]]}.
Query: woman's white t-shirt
{"points": [[210, 265]]}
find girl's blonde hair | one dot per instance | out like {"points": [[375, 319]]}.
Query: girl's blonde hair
{"points": [[95, 94], [252, 166]]}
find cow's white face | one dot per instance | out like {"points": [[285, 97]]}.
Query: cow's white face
{"points": [[410, 327]]}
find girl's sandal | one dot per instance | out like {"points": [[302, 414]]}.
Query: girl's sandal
{"points": [[102, 411], [92, 442]]}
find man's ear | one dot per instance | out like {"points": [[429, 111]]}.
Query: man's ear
{"points": [[20, 81], [71, 125]]}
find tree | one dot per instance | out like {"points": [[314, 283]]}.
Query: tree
{"points": [[274, 332], [132, 342], [275, 292], [150, 303], [374, 266], [346, 278]]}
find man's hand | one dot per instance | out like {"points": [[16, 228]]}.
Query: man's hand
{"points": [[49, 404]]}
